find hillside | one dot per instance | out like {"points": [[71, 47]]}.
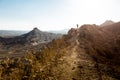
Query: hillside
{"points": [[114, 28], [18, 45], [90, 52], [107, 23], [33, 37]]}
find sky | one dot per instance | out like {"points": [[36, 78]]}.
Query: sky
{"points": [[56, 14]]}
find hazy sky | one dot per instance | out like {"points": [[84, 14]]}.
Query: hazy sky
{"points": [[56, 14]]}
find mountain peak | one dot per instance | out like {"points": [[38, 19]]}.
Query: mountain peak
{"points": [[37, 36], [35, 29], [107, 22]]}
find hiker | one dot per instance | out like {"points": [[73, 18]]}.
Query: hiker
{"points": [[77, 25]]}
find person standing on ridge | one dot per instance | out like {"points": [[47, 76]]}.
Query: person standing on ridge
{"points": [[76, 30], [77, 25]]}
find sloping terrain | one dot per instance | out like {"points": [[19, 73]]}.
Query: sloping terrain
{"points": [[33, 37], [18, 45], [90, 52], [107, 23], [114, 28], [87, 53]]}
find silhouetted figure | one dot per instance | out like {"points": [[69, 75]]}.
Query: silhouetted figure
{"points": [[77, 25]]}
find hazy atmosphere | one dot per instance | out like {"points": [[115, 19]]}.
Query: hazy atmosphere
{"points": [[55, 14], [59, 39]]}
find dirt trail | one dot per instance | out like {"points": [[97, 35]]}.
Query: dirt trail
{"points": [[79, 56], [74, 50], [73, 58]]}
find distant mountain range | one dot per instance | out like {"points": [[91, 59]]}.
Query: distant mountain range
{"points": [[64, 31], [11, 33]]}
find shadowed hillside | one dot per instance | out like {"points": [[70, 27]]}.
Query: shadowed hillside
{"points": [[18, 45], [33, 37]]}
